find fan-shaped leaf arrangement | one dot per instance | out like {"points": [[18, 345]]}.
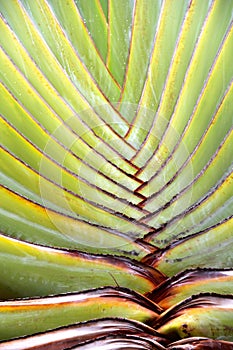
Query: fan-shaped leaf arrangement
{"points": [[116, 174]]}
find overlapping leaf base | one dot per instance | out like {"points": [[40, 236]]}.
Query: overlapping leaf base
{"points": [[116, 174]]}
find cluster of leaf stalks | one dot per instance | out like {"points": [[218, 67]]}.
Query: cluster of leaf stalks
{"points": [[116, 174]]}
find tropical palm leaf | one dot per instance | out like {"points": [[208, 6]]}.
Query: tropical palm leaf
{"points": [[116, 172], [188, 283], [47, 271], [198, 344], [66, 337], [203, 315]]}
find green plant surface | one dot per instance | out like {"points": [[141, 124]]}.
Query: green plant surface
{"points": [[116, 173], [204, 316], [44, 271]]}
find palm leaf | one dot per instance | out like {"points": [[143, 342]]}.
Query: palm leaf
{"points": [[188, 283], [199, 344], [116, 169], [66, 337], [202, 315], [61, 310], [46, 271]]}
